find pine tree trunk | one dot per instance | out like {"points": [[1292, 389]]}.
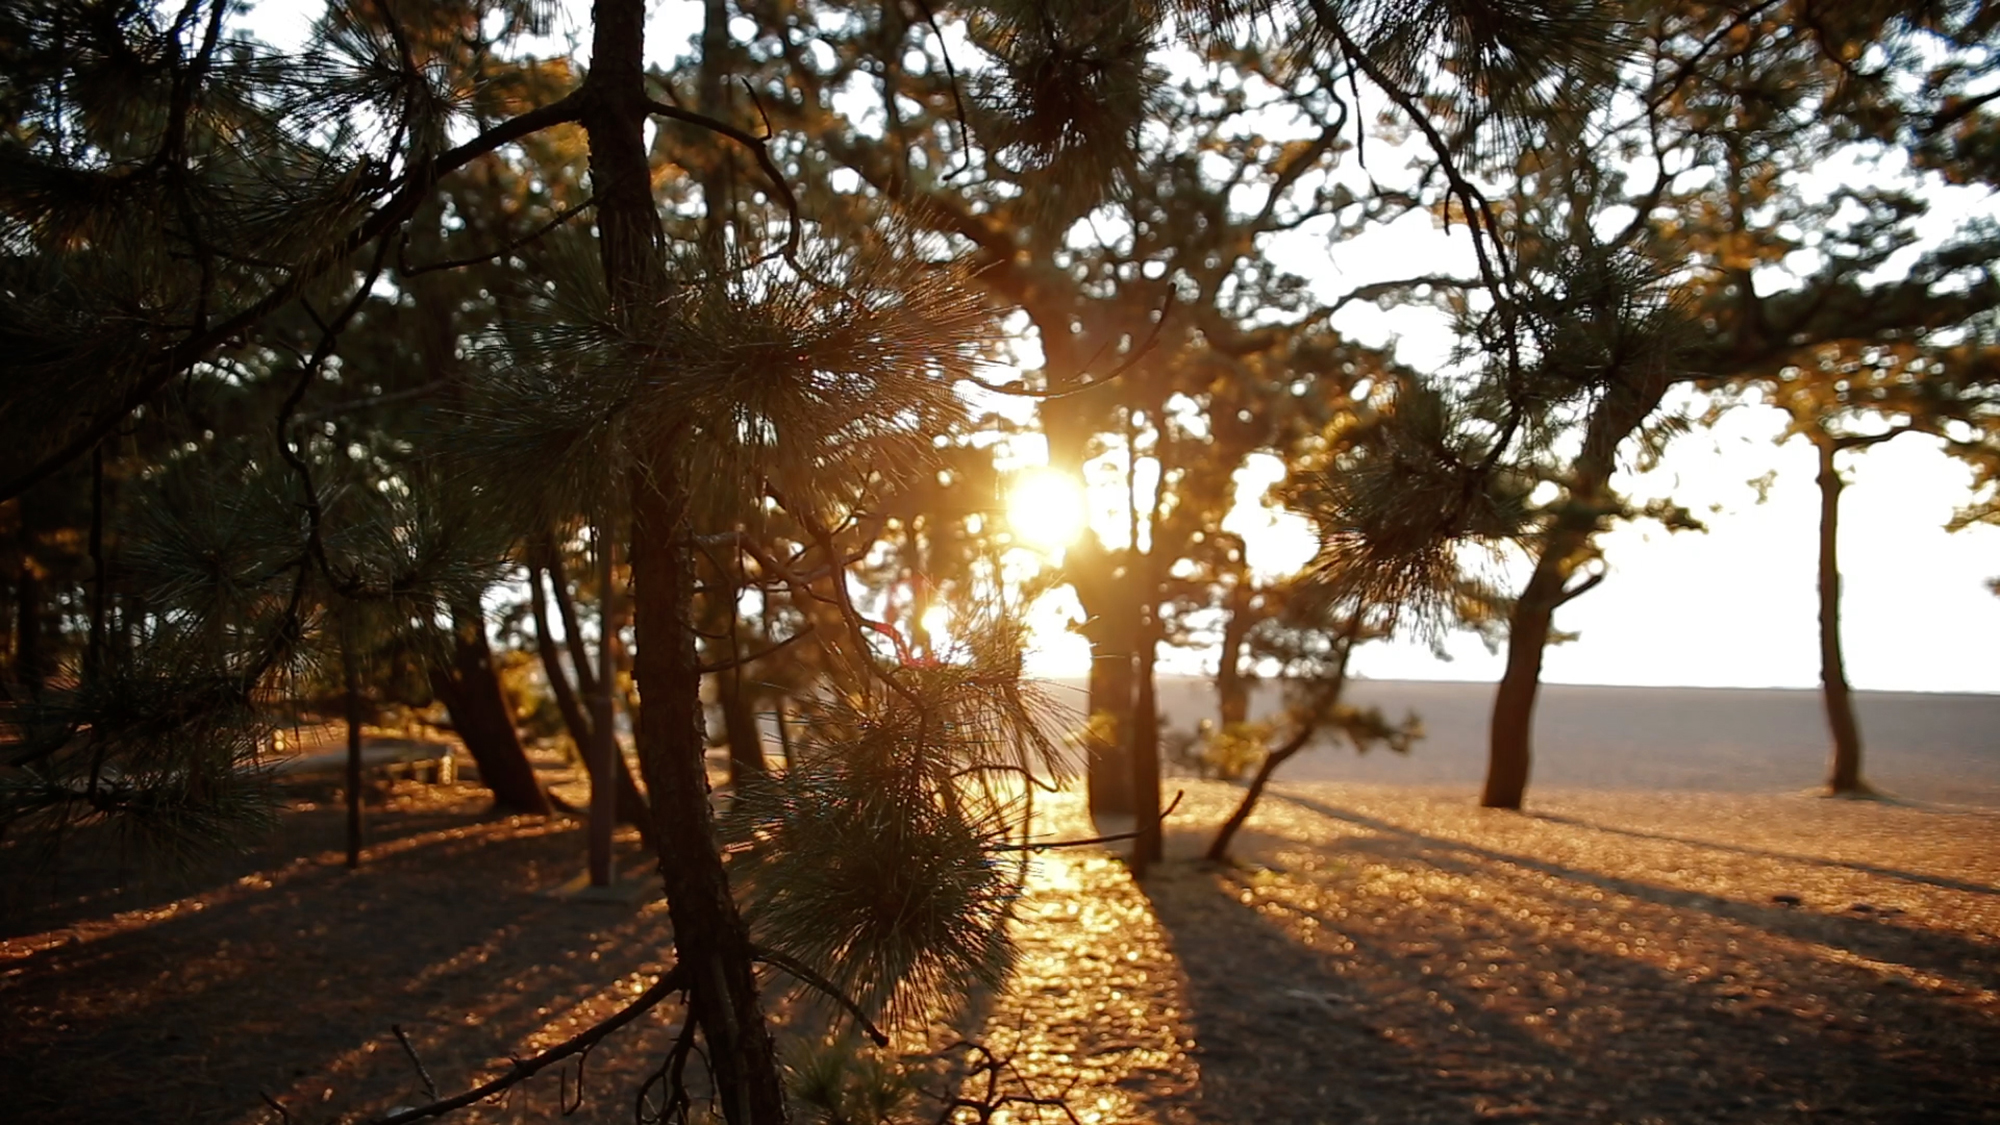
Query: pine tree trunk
{"points": [[351, 680], [739, 724], [710, 938], [1514, 703], [1844, 768], [1112, 609], [709, 934], [1218, 848], [1620, 411], [631, 803], [471, 692], [1145, 751], [1232, 688]]}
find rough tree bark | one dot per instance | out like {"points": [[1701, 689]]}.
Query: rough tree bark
{"points": [[710, 937]]}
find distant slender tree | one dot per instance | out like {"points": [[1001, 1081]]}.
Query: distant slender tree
{"points": [[1312, 654], [1845, 402]]}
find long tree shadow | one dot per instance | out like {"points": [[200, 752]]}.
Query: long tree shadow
{"points": [[92, 872], [1407, 979], [293, 990], [1926, 951], [1940, 881]]}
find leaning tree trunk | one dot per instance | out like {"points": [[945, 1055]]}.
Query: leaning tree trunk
{"points": [[1844, 769], [1218, 848], [1309, 724], [710, 938], [1528, 628], [1620, 411], [470, 690]]}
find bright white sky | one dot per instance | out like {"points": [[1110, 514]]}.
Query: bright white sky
{"points": [[1734, 607]]}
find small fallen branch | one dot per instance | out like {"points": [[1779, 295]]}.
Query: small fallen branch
{"points": [[674, 980]]}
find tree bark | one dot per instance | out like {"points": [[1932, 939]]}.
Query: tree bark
{"points": [[351, 680], [1844, 767], [1111, 625], [471, 692], [1145, 753], [710, 937], [739, 725], [1218, 848], [709, 934], [1528, 628], [1232, 687], [632, 807]]}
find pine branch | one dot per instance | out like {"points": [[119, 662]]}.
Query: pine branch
{"points": [[805, 975], [174, 360]]}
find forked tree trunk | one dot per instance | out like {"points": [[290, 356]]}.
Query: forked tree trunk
{"points": [[1844, 768], [470, 690], [710, 938], [582, 732]]}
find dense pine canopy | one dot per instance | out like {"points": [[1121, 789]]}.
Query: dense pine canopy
{"points": [[312, 358]]}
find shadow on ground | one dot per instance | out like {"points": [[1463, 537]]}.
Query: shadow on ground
{"points": [[1356, 968]]}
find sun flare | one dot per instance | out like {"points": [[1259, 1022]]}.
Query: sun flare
{"points": [[1045, 509]]}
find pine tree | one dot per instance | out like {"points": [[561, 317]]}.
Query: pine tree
{"points": [[1605, 311], [192, 220]]}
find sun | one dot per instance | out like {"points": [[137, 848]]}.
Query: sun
{"points": [[1045, 509]]}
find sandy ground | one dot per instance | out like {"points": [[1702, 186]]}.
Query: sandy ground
{"points": [[1378, 953], [1937, 748]]}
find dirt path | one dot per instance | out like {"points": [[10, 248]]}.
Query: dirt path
{"points": [[1382, 954]]}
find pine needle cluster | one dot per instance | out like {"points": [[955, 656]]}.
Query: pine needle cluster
{"points": [[882, 857], [803, 375], [1073, 84], [1397, 505], [166, 755]]}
